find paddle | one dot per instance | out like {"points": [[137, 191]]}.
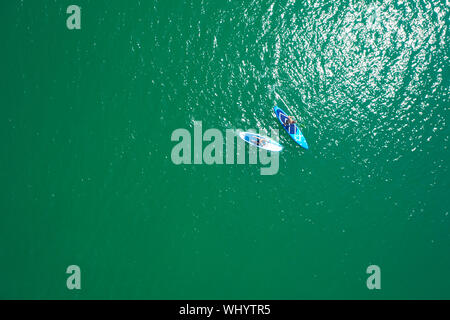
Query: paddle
{"points": [[287, 107]]}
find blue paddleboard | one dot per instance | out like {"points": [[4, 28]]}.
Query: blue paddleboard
{"points": [[292, 129]]}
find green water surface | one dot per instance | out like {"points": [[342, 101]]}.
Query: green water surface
{"points": [[86, 171]]}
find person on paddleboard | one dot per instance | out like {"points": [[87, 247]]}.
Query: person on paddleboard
{"points": [[289, 121], [259, 141]]}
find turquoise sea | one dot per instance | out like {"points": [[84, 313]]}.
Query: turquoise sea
{"points": [[87, 177]]}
